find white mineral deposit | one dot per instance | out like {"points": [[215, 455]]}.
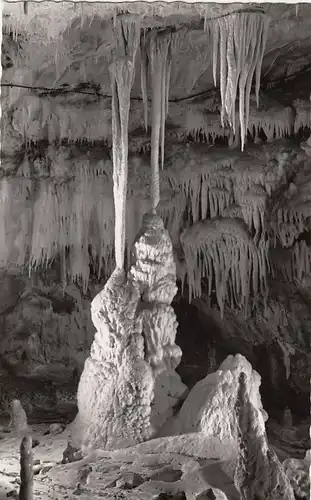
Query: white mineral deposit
{"points": [[155, 250]]}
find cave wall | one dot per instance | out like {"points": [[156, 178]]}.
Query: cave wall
{"points": [[45, 334], [45, 323], [276, 340], [56, 198]]}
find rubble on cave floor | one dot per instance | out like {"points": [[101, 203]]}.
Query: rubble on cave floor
{"points": [[196, 463], [114, 475]]}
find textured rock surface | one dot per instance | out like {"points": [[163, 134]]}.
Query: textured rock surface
{"points": [[259, 474], [138, 473], [274, 340], [298, 473], [210, 406], [18, 417], [66, 173], [129, 385], [284, 56], [45, 334], [212, 494]]}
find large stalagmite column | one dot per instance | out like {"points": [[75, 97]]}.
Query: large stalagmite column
{"points": [[129, 386]]}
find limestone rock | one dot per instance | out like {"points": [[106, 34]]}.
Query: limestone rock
{"points": [[259, 475], [209, 408], [18, 417], [44, 324], [129, 480], [212, 494], [171, 496], [287, 418], [71, 454], [298, 473], [56, 429], [129, 387], [287, 316], [12, 140]]}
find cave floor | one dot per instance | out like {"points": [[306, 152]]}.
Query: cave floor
{"points": [[123, 475], [97, 474]]}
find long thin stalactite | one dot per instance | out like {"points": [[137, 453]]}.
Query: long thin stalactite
{"points": [[157, 49], [122, 72]]}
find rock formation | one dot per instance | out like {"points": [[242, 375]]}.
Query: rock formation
{"points": [[18, 417], [26, 476], [259, 474], [298, 473], [129, 385], [210, 405], [95, 96]]}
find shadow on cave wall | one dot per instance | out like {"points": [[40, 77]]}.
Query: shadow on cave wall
{"points": [[55, 330], [206, 342]]}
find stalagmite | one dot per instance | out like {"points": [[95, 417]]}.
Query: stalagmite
{"points": [[117, 313], [258, 475], [241, 38], [209, 407], [129, 387], [26, 473]]}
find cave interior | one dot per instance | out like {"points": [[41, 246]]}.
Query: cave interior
{"points": [[199, 114]]}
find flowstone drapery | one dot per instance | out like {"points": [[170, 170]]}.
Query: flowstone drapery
{"points": [[129, 385]]}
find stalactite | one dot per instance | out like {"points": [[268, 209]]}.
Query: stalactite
{"points": [[301, 261], [144, 79], [1, 36], [122, 71], [4, 198], [302, 114], [241, 38], [222, 251], [157, 49]]}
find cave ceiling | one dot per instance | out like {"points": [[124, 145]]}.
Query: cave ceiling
{"points": [[56, 93], [71, 46]]}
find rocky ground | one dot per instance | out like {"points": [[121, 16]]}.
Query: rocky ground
{"points": [[178, 468], [127, 474]]}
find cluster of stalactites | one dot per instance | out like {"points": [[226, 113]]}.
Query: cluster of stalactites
{"points": [[222, 251], [157, 50], [239, 41], [72, 222]]}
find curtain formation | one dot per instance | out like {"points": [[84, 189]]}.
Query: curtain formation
{"points": [[239, 42]]}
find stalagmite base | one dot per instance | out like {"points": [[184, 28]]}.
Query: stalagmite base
{"points": [[26, 461], [259, 474], [129, 385]]}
